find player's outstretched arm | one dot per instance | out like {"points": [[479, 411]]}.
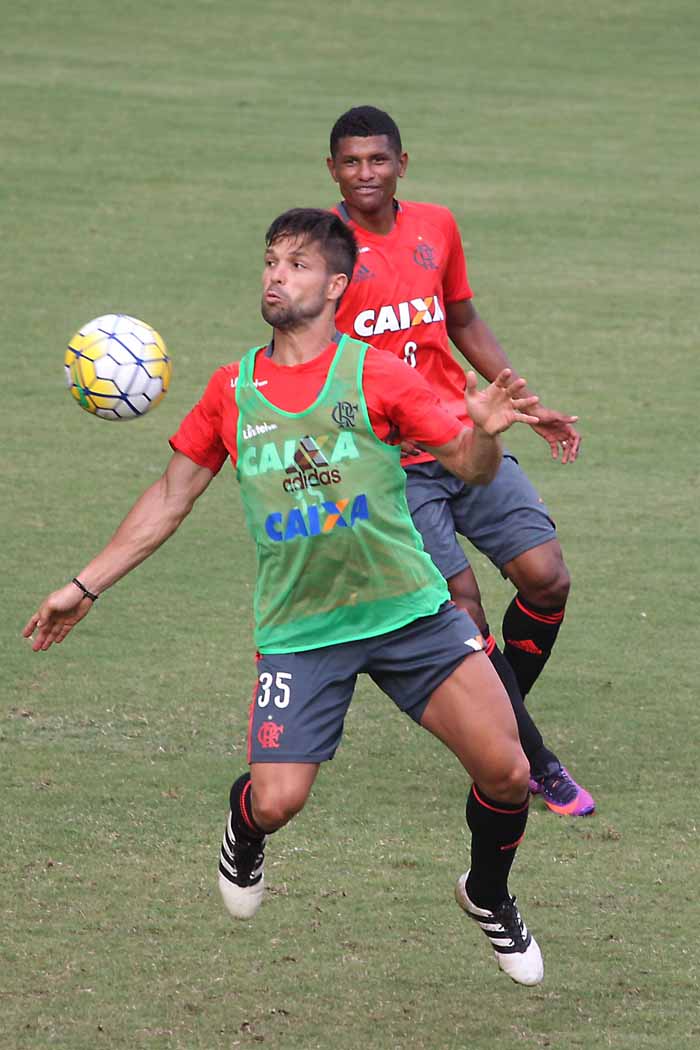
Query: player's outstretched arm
{"points": [[474, 455], [154, 517], [477, 343]]}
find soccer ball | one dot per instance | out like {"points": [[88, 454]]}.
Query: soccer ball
{"points": [[117, 367]]}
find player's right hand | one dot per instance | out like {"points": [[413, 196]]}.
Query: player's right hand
{"points": [[56, 616], [499, 405]]}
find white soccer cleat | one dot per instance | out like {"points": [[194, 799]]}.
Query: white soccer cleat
{"points": [[241, 877], [515, 948]]}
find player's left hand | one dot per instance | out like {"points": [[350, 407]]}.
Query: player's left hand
{"points": [[409, 448], [56, 616], [557, 430], [498, 406]]}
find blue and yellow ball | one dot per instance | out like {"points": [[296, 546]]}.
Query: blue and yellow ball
{"points": [[117, 367]]}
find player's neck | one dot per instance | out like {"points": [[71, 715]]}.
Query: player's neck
{"points": [[297, 345], [381, 221]]}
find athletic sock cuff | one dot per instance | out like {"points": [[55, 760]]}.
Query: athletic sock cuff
{"points": [[539, 612], [499, 807], [242, 810]]}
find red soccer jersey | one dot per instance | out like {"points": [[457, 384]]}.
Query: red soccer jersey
{"points": [[400, 404], [401, 285]]}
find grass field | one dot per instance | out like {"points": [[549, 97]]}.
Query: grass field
{"points": [[144, 150]]}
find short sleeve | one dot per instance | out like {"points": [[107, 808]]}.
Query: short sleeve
{"points": [[455, 282], [402, 405], [199, 435]]}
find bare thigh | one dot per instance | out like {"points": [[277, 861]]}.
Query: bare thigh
{"points": [[471, 713]]}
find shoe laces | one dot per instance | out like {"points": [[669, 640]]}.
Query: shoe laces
{"points": [[248, 856], [559, 785], [508, 916]]}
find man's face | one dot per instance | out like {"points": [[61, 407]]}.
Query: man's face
{"points": [[296, 284], [367, 170]]}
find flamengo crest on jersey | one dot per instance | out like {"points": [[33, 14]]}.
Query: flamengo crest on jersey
{"points": [[400, 317]]}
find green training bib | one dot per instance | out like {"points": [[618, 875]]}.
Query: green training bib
{"points": [[338, 555]]}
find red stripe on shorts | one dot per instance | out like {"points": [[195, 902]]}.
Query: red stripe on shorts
{"points": [[251, 710]]}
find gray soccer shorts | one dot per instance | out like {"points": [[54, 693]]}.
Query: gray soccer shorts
{"points": [[502, 519], [301, 699]]}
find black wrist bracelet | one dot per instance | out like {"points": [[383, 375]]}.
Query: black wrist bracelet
{"points": [[83, 588]]}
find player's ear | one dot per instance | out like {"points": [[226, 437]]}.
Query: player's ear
{"points": [[337, 285], [403, 164], [330, 164]]}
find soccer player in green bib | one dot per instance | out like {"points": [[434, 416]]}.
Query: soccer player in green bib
{"points": [[312, 423]]}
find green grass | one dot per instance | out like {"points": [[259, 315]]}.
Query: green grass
{"points": [[145, 149]]}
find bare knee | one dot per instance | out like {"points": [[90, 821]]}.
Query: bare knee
{"points": [[509, 782], [272, 809], [544, 581], [553, 591]]}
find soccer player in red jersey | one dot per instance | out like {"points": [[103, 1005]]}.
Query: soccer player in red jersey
{"points": [[343, 586], [410, 294]]}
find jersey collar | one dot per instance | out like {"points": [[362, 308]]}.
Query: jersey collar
{"points": [[270, 348], [344, 215]]}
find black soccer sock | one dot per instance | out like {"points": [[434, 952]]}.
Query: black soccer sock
{"points": [[497, 829], [242, 820], [531, 741], [529, 634]]}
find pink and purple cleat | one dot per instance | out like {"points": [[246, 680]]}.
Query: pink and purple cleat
{"points": [[560, 793]]}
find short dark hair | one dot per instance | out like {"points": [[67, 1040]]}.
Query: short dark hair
{"points": [[363, 121], [335, 239]]}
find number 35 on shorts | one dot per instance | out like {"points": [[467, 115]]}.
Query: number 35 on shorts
{"points": [[275, 688]]}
